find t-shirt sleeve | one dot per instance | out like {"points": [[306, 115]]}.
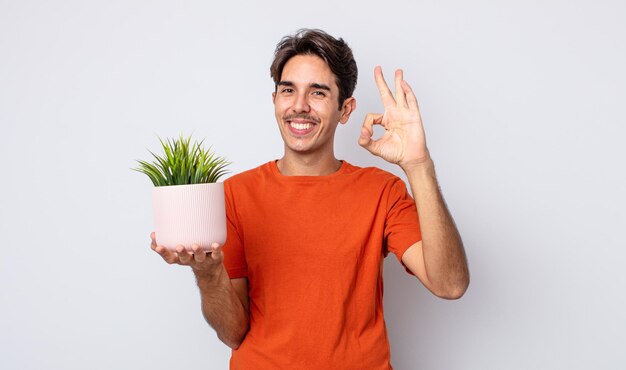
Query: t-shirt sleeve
{"points": [[402, 228], [234, 252]]}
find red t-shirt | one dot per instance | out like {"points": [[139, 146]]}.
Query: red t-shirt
{"points": [[312, 248]]}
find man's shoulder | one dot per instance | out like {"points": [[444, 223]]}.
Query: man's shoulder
{"points": [[370, 173], [249, 176]]}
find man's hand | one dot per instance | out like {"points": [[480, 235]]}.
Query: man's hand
{"points": [[224, 301], [204, 264], [404, 142]]}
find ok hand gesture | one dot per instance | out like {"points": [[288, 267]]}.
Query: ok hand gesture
{"points": [[404, 142]]}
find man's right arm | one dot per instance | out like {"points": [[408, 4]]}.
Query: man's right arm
{"points": [[224, 301], [224, 308]]}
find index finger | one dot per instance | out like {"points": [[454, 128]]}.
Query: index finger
{"points": [[383, 88], [216, 251]]}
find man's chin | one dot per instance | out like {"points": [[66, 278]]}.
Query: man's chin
{"points": [[300, 147]]}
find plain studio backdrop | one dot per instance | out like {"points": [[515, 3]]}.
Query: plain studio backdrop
{"points": [[523, 106]]}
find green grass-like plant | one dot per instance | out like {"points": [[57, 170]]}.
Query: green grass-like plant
{"points": [[183, 163]]}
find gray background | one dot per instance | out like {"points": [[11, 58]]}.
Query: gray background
{"points": [[523, 105]]}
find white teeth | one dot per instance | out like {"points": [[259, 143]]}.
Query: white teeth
{"points": [[301, 126]]}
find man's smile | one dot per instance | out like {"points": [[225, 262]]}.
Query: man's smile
{"points": [[301, 124]]}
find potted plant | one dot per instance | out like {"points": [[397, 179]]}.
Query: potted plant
{"points": [[188, 201]]}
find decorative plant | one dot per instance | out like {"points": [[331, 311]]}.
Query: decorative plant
{"points": [[183, 163]]}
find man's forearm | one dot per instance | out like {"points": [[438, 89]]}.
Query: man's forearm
{"points": [[222, 308], [444, 256]]}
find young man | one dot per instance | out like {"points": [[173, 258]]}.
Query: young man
{"points": [[298, 284]]}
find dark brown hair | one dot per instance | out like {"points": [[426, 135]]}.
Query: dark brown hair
{"points": [[335, 52]]}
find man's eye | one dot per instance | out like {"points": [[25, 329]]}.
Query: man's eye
{"points": [[287, 90], [319, 93]]}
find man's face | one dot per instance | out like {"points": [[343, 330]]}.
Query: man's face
{"points": [[306, 106]]}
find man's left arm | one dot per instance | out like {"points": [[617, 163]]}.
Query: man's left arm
{"points": [[438, 260]]}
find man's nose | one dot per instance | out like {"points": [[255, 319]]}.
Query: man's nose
{"points": [[302, 103]]}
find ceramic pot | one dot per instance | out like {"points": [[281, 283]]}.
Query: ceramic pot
{"points": [[189, 214]]}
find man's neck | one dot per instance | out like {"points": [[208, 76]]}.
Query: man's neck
{"points": [[308, 165]]}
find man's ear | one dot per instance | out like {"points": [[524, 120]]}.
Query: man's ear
{"points": [[349, 105], [274, 97]]}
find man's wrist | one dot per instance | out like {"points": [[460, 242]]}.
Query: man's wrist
{"points": [[424, 165], [209, 278]]}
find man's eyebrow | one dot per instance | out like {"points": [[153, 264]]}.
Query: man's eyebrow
{"points": [[314, 85], [320, 86]]}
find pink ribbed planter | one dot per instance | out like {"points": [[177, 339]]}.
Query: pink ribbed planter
{"points": [[189, 214]]}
